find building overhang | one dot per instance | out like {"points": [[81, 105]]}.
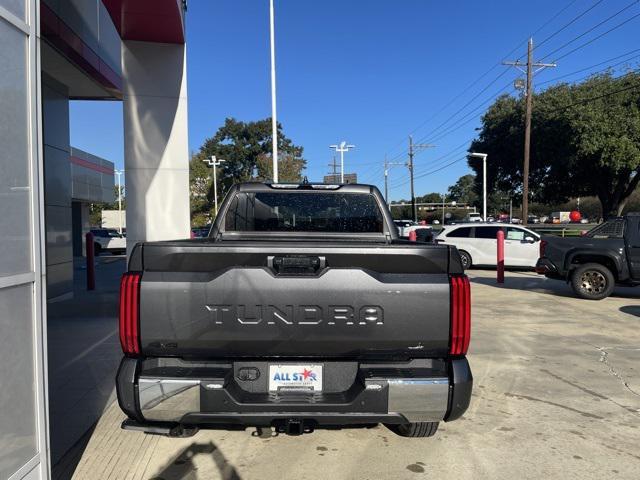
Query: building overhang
{"points": [[72, 47], [160, 21]]}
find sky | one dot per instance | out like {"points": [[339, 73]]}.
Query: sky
{"points": [[371, 72]]}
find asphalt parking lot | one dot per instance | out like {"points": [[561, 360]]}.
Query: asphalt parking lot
{"points": [[556, 395]]}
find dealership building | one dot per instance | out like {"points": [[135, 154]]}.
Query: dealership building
{"points": [[51, 52]]}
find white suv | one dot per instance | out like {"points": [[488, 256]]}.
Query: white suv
{"points": [[477, 244], [474, 217], [108, 240]]}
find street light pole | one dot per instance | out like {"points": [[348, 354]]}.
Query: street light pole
{"points": [[214, 163], [274, 120], [343, 147], [483, 156], [119, 173]]}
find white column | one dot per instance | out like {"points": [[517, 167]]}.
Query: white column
{"points": [[155, 141]]}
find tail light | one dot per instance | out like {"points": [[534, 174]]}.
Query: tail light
{"points": [[460, 314], [543, 246], [130, 313]]}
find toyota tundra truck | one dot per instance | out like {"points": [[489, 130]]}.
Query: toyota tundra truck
{"points": [[301, 310]]}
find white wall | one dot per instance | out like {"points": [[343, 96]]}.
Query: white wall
{"points": [[156, 141]]}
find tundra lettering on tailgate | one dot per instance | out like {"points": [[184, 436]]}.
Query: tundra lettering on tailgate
{"points": [[296, 314]]}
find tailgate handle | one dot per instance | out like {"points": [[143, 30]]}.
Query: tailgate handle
{"points": [[297, 265]]}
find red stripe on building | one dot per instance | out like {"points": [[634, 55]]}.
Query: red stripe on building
{"points": [[61, 36], [81, 162]]}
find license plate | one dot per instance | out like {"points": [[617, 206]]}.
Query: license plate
{"points": [[295, 377]]}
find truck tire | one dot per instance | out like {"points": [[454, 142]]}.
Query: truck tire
{"points": [[414, 430], [97, 249], [592, 281], [466, 259]]}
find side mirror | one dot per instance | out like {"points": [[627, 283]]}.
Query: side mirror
{"points": [[530, 239]]}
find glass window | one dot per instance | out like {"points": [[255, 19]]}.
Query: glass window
{"points": [[515, 234], [610, 229], [304, 212], [17, 7], [15, 231], [463, 232], [487, 232], [17, 395]]}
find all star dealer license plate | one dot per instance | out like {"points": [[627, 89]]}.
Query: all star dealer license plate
{"points": [[295, 377]]}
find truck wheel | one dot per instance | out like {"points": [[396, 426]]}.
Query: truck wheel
{"points": [[466, 259], [592, 281], [97, 249], [414, 430]]}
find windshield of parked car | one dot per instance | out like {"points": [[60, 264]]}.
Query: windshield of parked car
{"points": [[304, 212]]}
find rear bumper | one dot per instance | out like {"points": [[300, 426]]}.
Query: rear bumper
{"points": [[418, 391]]}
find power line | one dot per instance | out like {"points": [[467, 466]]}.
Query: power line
{"points": [[433, 132], [575, 19], [461, 121], [438, 161], [604, 95], [592, 29], [598, 37], [475, 82], [596, 65]]}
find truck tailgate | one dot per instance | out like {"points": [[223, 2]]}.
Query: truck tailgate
{"points": [[218, 301]]}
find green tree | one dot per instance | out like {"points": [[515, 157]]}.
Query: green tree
{"points": [[585, 141], [463, 191], [432, 197], [246, 148]]}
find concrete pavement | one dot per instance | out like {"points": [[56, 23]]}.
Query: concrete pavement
{"points": [[556, 395]]}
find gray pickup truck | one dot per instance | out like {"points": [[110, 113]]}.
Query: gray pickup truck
{"points": [[605, 256], [302, 309]]}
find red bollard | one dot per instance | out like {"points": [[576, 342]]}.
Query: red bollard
{"points": [[413, 236], [500, 238], [91, 264]]}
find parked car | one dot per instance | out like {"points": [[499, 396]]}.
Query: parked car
{"points": [[477, 244], [417, 228], [402, 225], [474, 217], [285, 320], [515, 221], [533, 219], [108, 240], [605, 256]]}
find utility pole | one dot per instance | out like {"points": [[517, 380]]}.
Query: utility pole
{"points": [[214, 163], [530, 65], [413, 148], [334, 169]]}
